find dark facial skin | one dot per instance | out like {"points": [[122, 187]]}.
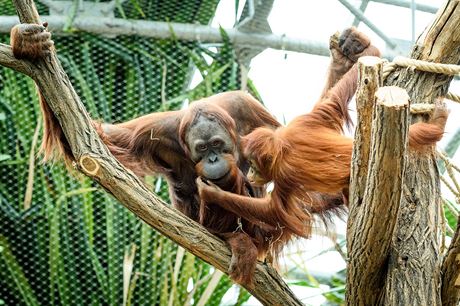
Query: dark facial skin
{"points": [[208, 142]]}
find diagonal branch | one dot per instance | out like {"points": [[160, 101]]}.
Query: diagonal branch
{"points": [[95, 160], [8, 60]]}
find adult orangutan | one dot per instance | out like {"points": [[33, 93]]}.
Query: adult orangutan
{"points": [[203, 140], [310, 153]]}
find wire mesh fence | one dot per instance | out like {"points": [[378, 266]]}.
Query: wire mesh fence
{"points": [[63, 240]]}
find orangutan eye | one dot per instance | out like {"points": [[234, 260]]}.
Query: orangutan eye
{"points": [[201, 147], [215, 143]]}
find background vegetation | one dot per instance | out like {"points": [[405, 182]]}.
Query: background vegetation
{"points": [[63, 241]]}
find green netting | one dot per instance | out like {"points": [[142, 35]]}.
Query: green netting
{"points": [[63, 239], [71, 243]]}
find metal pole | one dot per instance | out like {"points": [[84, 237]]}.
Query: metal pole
{"points": [[186, 32], [372, 26], [408, 4], [362, 8], [165, 30], [412, 8]]}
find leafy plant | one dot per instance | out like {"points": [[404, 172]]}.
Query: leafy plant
{"points": [[75, 245]]}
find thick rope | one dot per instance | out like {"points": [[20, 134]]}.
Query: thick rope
{"points": [[421, 108], [427, 66], [453, 97], [423, 66]]}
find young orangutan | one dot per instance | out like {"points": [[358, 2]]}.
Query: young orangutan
{"points": [[309, 154]]}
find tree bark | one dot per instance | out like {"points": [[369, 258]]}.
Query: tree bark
{"points": [[415, 261], [369, 81], [370, 229], [450, 289], [95, 160]]}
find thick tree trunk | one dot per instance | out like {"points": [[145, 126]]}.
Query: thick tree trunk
{"points": [[96, 161], [415, 261], [404, 267], [373, 221], [450, 290]]}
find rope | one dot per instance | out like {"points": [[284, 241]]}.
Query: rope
{"points": [[421, 108], [447, 69], [388, 68], [427, 66], [453, 97]]}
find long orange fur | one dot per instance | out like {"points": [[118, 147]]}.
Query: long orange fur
{"points": [[309, 155]]}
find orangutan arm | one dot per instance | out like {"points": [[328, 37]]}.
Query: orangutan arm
{"points": [[252, 209], [345, 51], [271, 210]]}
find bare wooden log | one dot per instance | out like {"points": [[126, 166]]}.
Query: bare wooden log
{"points": [[371, 231], [450, 290], [414, 273], [369, 80], [96, 161]]}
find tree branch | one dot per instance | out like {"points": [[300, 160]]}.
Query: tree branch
{"points": [[95, 160], [369, 81], [8, 60], [181, 31], [408, 4]]}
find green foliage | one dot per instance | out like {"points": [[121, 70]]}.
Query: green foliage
{"points": [[75, 243], [450, 217], [337, 292], [335, 295], [16, 275]]}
